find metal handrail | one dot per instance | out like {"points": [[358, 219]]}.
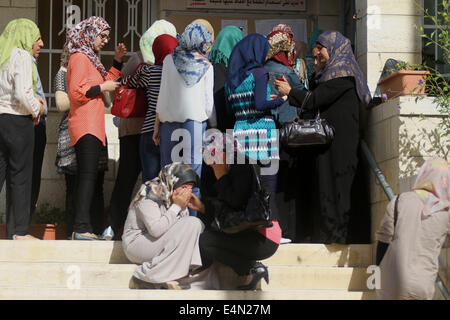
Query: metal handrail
{"points": [[390, 194]]}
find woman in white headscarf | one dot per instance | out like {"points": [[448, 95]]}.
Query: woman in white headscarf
{"points": [[412, 234]]}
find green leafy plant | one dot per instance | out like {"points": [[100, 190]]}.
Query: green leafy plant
{"points": [[48, 215], [436, 84]]}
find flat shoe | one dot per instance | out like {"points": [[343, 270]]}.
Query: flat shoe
{"points": [[85, 236], [136, 283], [27, 237]]}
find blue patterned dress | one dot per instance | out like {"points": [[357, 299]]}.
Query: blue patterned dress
{"points": [[254, 129]]}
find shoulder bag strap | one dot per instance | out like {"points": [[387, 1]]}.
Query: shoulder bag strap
{"points": [[396, 211], [139, 75], [308, 94]]}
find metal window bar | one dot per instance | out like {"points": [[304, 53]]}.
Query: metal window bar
{"points": [[136, 9], [390, 194]]}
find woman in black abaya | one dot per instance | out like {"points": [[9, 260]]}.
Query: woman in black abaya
{"points": [[338, 90]]}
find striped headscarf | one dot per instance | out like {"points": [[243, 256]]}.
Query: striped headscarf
{"points": [[433, 186], [81, 39], [342, 63], [189, 56], [158, 28], [21, 34], [282, 45]]}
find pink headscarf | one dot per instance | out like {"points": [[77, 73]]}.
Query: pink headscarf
{"points": [[433, 186], [81, 38]]}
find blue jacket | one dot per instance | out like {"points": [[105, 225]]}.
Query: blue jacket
{"points": [[285, 112]]}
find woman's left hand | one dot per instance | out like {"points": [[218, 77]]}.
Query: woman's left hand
{"points": [[283, 87], [121, 51]]}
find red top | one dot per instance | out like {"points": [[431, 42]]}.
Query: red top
{"points": [[87, 115], [273, 233]]}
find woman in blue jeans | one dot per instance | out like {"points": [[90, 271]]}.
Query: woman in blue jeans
{"points": [[186, 99]]}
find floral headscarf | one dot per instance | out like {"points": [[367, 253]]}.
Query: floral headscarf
{"points": [[282, 45], [189, 56], [81, 39], [342, 63], [224, 44], [158, 28], [21, 34], [433, 186], [162, 187]]}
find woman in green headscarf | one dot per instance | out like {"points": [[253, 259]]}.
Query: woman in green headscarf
{"points": [[19, 41], [219, 55]]}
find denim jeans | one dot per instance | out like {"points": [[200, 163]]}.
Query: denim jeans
{"points": [[150, 157], [191, 138]]}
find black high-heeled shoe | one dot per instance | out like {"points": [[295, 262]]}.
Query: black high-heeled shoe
{"points": [[259, 271]]}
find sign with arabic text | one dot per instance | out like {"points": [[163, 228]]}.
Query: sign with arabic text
{"points": [[297, 5]]}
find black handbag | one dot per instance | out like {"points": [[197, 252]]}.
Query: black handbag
{"points": [[256, 215], [301, 132]]}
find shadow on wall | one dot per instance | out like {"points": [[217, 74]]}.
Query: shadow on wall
{"points": [[418, 145]]}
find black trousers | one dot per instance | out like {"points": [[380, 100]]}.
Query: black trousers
{"points": [[129, 169], [16, 165], [239, 251], [40, 141], [89, 186]]}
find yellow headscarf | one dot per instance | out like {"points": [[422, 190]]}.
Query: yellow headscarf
{"points": [[19, 33]]}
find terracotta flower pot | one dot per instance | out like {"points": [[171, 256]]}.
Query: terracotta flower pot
{"points": [[403, 83], [41, 231]]}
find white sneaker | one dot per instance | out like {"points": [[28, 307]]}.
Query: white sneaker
{"points": [[285, 241]]}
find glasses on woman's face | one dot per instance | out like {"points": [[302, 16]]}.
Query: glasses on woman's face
{"points": [[104, 37]]}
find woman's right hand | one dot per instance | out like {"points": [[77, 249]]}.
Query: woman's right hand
{"points": [[109, 86], [283, 87]]}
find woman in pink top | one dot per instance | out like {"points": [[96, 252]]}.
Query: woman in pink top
{"points": [[87, 79], [233, 187]]}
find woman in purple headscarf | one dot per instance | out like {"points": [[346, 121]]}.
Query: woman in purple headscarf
{"points": [[337, 92]]}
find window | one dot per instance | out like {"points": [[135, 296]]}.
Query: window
{"points": [[128, 19], [433, 55]]}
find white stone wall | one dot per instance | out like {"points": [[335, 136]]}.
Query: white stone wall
{"points": [[402, 135], [386, 30]]}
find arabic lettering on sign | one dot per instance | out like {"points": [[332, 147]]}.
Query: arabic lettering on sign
{"points": [[299, 5]]}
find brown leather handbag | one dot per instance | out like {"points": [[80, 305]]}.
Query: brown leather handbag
{"points": [[301, 132]]}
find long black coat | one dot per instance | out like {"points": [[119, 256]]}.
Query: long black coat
{"points": [[328, 177]]}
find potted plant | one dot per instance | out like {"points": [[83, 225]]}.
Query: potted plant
{"points": [[47, 223], [405, 80]]}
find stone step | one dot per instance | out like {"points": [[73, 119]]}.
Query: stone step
{"points": [[27, 293], [112, 252], [95, 275]]}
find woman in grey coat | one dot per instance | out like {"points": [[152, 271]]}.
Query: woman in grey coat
{"points": [[159, 234]]}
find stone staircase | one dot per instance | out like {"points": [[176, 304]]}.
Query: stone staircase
{"points": [[44, 270]]}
